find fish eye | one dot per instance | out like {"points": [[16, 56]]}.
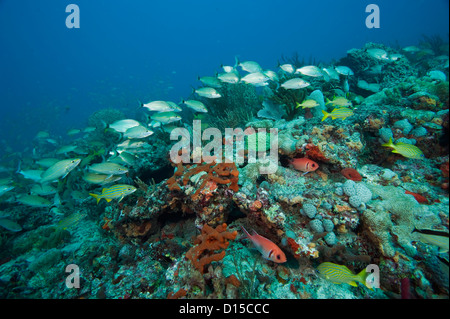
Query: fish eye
{"points": [[278, 257]]}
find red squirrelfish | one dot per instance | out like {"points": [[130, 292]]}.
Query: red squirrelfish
{"points": [[304, 164], [266, 247]]}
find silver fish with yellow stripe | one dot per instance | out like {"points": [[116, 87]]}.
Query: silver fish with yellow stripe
{"points": [[34, 201], [108, 168], [210, 81], [295, 84], [310, 70], [100, 179], [137, 132], [166, 117], [208, 92], [43, 189], [59, 169], [162, 106], [5, 188], [116, 191], [195, 105], [10, 225], [434, 237], [122, 126]]}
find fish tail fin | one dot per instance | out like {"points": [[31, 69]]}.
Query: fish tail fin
{"points": [[236, 61], [297, 105], [246, 232], [19, 164], [97, 197], [328, 101], [362, 276], [140, 105], [389, 144], [325, 115]]}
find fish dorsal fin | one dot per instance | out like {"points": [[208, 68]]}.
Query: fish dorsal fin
{"points": [[254, 232], [431, 232]]}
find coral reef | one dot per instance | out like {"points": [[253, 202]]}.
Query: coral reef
{"points": [[178, 235], [212, 179]]}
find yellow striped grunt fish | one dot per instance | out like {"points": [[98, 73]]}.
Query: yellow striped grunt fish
{"points": [[407, 150], [337, 113], [115, 191], [70, 220], [59, 169], [340, 274]]}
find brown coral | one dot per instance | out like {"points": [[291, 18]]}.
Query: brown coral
{"points": [[208, 243]]}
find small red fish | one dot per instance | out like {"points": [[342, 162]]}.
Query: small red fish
{"points": [[266, 247], [304, 164]]}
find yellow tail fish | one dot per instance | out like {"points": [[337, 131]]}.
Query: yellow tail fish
{"points": [[116, 191]]}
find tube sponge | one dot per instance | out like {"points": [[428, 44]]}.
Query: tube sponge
{"points": [[309, 210], [349, 188], [385, 134], [363, 192], [330, 238], [404, 125], [360, 190], [316, 225], [328, 225]]}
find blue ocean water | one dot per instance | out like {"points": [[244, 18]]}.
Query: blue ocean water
{"points": [[52, 77]]}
